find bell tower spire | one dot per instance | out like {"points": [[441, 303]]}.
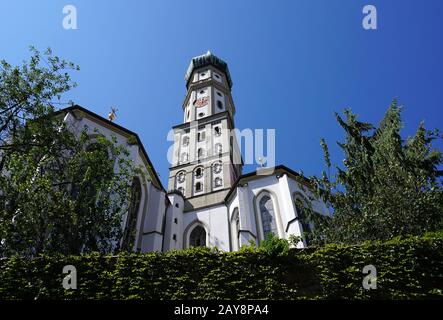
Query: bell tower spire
{"points": [[206, 159]]}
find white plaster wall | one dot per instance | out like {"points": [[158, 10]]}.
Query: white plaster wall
{"points": [[172, 228], [281, 190], [215, 220]]}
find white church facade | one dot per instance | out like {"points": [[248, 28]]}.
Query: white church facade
{"points": [[208, 200]]}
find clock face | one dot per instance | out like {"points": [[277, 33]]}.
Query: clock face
{"points": [[201, 102]]}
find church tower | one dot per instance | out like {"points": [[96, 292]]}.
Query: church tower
{"points": [[206, 158]]}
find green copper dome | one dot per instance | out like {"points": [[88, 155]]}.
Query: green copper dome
{"points": [[206, 60]]}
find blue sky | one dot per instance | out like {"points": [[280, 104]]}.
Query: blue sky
{"points": [[293, 63]]}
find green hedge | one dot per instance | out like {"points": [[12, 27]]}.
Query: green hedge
{"points": [[406, 268]]}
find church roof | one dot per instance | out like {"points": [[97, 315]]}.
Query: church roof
{"points": [[155, 178], [206, 60], [277, 170]]}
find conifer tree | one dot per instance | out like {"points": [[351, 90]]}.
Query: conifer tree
{"points": [[386, 187]]}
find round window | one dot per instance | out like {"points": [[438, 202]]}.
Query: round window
{"points": [[181, 177], [217, 168]]}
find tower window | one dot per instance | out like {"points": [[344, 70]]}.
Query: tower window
{"points": [[185, 140], [217, 167], [217, 77], [201, 114], [184, 157], [217, 131], [218, 182], [201, 136], [202, 91], [198, 187], [175, 220], [219, 94], [199, 173], [219, 104], [200, 153], [181, 177], [218, 148]]}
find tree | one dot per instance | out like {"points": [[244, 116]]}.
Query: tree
{"points": [[60, 191], [388, 187]]}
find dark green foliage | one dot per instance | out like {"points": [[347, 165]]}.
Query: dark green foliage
{"points": [[408, 268], [59, 190], [274, 245], [386, 187]]}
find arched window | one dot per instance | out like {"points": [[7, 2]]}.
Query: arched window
{"points": [[198, 187], [197, 238], [235, 227], [199, 172], [129, 233], [267, 215], [217, 131]]}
